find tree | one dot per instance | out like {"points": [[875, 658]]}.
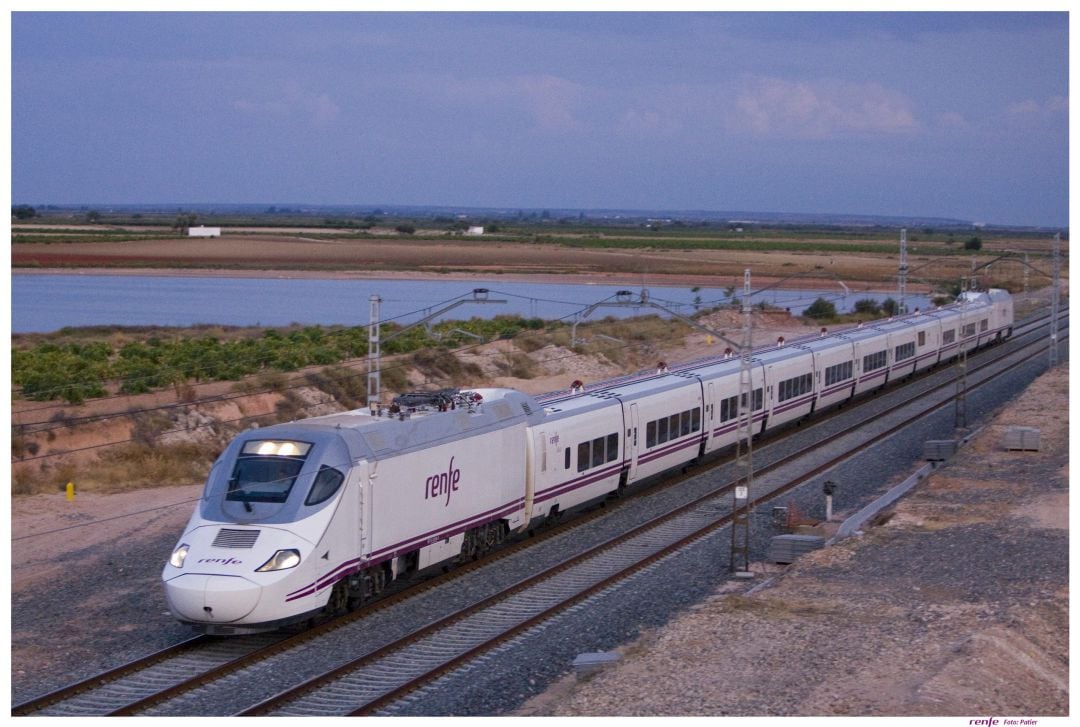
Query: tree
{"points": [[867, 305], [890, 306], [405, 229], [819, 309], [23, 212], [93, 216], [184, 221], [973, 243]]}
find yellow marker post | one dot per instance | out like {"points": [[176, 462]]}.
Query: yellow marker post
{"points": [[71, 491]]}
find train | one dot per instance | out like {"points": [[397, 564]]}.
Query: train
{"points": [[314, 517]]}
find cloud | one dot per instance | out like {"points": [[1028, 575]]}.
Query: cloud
{"points": [[292, 101], [1031, 107], [646, 124], [953, 120], [551, 101], [820, 109]]}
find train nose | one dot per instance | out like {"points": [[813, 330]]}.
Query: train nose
{"points": [[212, 598]]}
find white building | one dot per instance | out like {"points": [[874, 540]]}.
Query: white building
{"points": [[475, 231], [204, 231]]}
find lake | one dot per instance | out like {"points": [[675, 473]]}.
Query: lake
{"points": [[44, 303]]}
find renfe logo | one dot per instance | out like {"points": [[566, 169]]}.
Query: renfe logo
{"points": [[443, 483]]}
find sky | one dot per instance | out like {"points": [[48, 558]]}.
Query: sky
{"points": [[961, 115]]}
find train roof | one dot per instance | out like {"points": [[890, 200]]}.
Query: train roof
{"points": [[371, 436]]}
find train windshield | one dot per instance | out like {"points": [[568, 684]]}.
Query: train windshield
{"points": [[266, 470]]}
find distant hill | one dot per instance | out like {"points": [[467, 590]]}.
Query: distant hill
{"points": [[600, 215]]}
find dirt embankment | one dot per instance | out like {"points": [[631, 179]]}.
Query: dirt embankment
{"points": [[957, 605]]}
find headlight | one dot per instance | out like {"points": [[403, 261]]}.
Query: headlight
{"points": [[281, 560], [176, 560]]}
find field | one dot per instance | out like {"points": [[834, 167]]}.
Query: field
{"points": [[861, 258]]}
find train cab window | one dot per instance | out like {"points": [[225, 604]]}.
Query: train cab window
{"points": [[326, 484], [583, 457], [566, 459], [266, 470], [922, 338], [612, 447]]}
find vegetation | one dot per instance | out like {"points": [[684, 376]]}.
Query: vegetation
{"points": [[821, 309], [74, 365]]}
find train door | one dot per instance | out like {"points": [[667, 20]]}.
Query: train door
{"points": [[631, 446], [710, 408]]}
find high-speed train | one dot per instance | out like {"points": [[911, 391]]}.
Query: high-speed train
{"points": [[316, 516]]}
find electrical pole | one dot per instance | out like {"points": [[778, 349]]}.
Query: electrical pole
{"points": [[902, 277], [744, 463], [961, 378], [374, 380], [1055, 301]]}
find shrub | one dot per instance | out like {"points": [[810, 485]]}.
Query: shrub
{"points": [[820, 309], [867, 306]]}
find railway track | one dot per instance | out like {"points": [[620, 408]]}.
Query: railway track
{"points": [[374, 680]]}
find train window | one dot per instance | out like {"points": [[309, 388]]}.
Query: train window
{"points": [[904, 351], [661, 431], [969, 330], [729, 408], [684, 423], [875, 361], [326, 484], [583, 457], [695, 419], [650, 434], [948, 336], [984, 324], [673, 426], [566, 459], [797, 386], [598, 452], [612, 446], [922, 338], [759, 399], [838, 372]]}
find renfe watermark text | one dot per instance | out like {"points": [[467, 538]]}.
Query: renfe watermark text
{"points": [[1002, 722]]}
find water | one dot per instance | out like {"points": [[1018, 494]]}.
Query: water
{"points": [[43, 303]]}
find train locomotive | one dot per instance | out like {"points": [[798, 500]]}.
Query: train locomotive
{"points": [[317, 516]]}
